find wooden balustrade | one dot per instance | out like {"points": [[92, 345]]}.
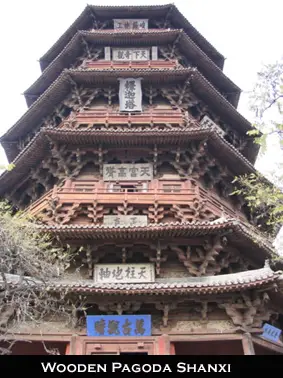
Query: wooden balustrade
{"points": [[106, 116], [107, 65], [181, 197]]}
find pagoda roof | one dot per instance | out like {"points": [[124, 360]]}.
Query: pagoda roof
{"points": [[63, 85], [39, 146], [140, 37], [227, 283], [85, 21], [239, 233]]}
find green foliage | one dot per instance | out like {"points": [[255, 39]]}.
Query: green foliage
{"points": [[267, 100], [26, 251], [8, 167], [264, 199], [34, 260]]}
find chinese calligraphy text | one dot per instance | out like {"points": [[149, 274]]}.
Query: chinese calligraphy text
{"points": [[131, 24], [271, 333], [130, 273], [131, 54], [125, 220], [130, 95], [128, 172], [118, 325]]}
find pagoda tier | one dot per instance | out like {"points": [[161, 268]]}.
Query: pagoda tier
{"points": [[161, 17], [196, 248], [198, 98], [172, 47], [241, 301], [127, 156], [220, 246], [172, 115], [71, 173]]}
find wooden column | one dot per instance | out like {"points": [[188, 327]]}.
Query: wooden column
{"points": [[74, 346], [248, 346], [163, 345], [67, 352]]}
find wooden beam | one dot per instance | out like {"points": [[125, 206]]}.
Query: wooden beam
{"points": [[247, 343], [268, 344], [205, 337]]}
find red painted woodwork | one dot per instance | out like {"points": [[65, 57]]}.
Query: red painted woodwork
{"points": [[117, 346], [68, 350], [109, 116], [209, 347], [105, 64], [86, 191]]}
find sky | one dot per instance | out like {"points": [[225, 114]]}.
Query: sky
{"points": [[247, 32]]}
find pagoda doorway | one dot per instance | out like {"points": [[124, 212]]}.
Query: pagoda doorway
{"points": [[114, 346]]}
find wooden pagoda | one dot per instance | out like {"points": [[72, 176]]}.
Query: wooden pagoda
{"points": [[127, 153]]}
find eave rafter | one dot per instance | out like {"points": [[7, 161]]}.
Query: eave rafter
{"points": [[178, 39], [238, 233], [40, 146], [45, 104]]}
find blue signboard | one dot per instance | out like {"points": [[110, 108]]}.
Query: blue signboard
{"points": [[118, 325], [270, 332]]}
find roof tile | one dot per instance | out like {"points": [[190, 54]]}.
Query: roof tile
{"points": [[197, 285]]}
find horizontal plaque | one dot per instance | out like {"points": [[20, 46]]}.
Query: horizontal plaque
{"points": [[125, 220], [127, 273], [130, 23], [271, 333], [130, 54], [128, 172], [118, 325]]}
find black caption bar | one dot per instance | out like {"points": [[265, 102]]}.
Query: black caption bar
{"points": [[103, 365]]}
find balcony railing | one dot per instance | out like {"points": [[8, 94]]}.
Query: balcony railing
{"points": [[192, 197], [112, 117], [108, 65]]}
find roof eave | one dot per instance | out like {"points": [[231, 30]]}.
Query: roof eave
{"points": [[213, 73], [215, 143], [202, 86], [220, 284], [85, 17], [235, 228]]}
